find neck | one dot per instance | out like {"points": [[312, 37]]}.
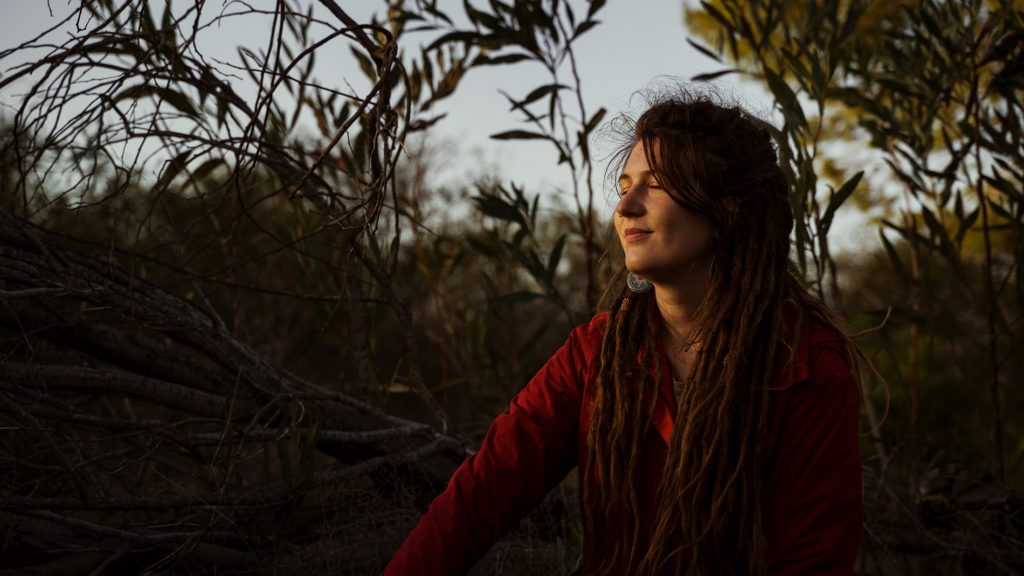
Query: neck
{"points": [[680, 302], [677, 315], [679, 309]]}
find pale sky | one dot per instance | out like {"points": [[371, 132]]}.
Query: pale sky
{"points": [[636, 42]]}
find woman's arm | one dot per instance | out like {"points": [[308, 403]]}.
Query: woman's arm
{"points": [[812, 495], [527, 451]]}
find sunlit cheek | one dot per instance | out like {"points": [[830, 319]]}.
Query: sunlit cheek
{"points": [[619, 234]]}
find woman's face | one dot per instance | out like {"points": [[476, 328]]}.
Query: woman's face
{"points": [[664, 242]]}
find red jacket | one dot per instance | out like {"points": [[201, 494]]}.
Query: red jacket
{"points": [[812, 492]]}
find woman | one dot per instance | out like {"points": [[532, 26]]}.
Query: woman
{"points": [[712, 412]]}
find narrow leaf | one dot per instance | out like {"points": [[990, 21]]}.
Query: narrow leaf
{"points": [[172, 168], [712, 75], [484, 60], [704, 50], [518, 135], [540, 92], [786, 98], [894, 257], [207, 167], [837, 200], [583, 27], [555, 257], [459, 36]]}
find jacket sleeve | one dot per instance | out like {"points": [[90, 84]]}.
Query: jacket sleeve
{"points": [[527, 450], [812, 495]]}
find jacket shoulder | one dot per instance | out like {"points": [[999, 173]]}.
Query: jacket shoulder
{"points": [[587, 337], [596, 327], [808, 346]]}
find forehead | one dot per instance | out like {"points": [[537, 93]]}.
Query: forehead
{"points": [[636, 165]]}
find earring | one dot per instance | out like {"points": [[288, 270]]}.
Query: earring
{"points": [[638, 284]]}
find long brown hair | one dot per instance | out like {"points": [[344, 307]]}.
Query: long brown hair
{"points": [[721, 162]]}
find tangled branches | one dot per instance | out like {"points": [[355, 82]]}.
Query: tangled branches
{"points": [[152, 199]]}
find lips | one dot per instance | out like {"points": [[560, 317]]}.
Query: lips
{"points": [[634, 234]]}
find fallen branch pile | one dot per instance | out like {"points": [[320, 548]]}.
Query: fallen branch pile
{"points": [[135, 429]]}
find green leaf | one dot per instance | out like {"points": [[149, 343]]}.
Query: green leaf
{"points": [[717, 15], [939, 232], [467, 37], [837, 199], [797, 67], [147, 19], [365, 64], [1005, 186], [428, 69], [519, 135], [817, 76], [594, 121], [488, 249], [965, 224], [179, 101], [555, 257], [1000, 211], [894, 257], [449, 81], [485, 60], [207, 167], [480, 18], [712, 75], [521, 198], [497, 208], [534, 266], [584, 27], [176, 99], [541, 92], [704, 50], [172, 168], [786, 98], [167, 21], [431, 8]]}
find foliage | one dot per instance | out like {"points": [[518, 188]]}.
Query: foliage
{"points": [[221, 278], [540, 32], [934, 90]]}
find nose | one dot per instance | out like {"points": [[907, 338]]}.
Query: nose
{"points": [[630, 203]]}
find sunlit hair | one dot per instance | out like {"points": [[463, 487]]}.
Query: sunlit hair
{"points": [[720, 162]]}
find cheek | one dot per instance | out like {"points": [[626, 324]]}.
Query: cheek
{"points": [[707, 236], [618, 226], [695, 232], [703, 230]]}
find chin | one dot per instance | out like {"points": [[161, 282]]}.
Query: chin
{"points": [[641, 269]]}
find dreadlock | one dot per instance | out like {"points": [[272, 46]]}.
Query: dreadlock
{"points": [[720, 162]]}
